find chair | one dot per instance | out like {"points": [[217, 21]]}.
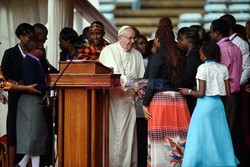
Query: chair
{"points": [[106, 8], [109, 16], [190, 17], [241, 23], [241, 16], [216, 1], [106, 1], [3, 152], [206, 26], [215, 8], [239, 8], [240, 1], [187, 24], [208, 17]]}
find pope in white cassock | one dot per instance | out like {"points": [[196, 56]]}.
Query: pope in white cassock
{"points": [[128, 62]]}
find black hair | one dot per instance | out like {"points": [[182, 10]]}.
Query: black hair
{"points": [[39, 26], [97, 22], [192, 33], [239, 28], [150, 46], [172, 55], [206, 37], [211, 50], [32, 43], [241, 32], [69, 35], [181, 32], [24, 29], [221, 26], [198, 27], [229, 19], [140, 37], [85, 31]]}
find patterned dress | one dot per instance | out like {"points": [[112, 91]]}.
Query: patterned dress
{"points": [[167, 130]]}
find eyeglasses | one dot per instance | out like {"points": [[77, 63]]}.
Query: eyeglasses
{"points": [[129, 38]]}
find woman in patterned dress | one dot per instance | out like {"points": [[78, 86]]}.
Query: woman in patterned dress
{"points": [[163, 106]]}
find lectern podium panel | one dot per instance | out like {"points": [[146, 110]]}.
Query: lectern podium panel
{"points": [[83, 116]]}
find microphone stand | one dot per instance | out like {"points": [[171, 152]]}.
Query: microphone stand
{"points": [[54, 101]]}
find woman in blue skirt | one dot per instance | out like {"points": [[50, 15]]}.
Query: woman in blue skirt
{"points": [[208, 141]]}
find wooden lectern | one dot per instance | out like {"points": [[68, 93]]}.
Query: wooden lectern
{"points": [[83, 116]]}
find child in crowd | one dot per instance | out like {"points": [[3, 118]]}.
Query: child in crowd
{"points": [[32, 129], [208, 140]]}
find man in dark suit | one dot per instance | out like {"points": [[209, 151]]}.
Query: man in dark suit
{"points": [[11, 69]]}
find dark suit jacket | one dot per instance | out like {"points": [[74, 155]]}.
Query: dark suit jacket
{"points": [[64, 56], [12, 64], [192, 62], [12, 69]]}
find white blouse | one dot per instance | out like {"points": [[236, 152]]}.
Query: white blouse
{"points": [[215, 75]]}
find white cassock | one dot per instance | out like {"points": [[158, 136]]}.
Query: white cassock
{"points": [[122, 117]]}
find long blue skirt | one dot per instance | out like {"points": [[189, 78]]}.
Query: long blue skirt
{"points": [[209, 141]]}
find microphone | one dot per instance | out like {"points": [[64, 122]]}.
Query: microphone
{"points": [[78, 45], [81, 44]]}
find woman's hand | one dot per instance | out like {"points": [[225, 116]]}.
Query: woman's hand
{"points": [[31, 89], [147, 114], [184, 91], [141, 93]]}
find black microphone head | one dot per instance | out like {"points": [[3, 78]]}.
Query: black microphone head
{"points": [[81, 44]]}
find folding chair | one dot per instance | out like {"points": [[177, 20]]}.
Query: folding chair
{"points": [[3, 152]]}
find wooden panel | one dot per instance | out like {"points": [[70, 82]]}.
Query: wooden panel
{"points": [[155, 12], [106, 112], [83, 100], [85, 67], [96, 127], [60, 127], [83, 80], [142, 21], [165, 4], [77, 128]]}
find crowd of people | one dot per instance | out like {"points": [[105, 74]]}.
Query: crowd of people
{"points": [[179, 100]]}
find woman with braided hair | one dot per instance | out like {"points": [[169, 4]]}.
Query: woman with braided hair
{"points": [[189, 43]]}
